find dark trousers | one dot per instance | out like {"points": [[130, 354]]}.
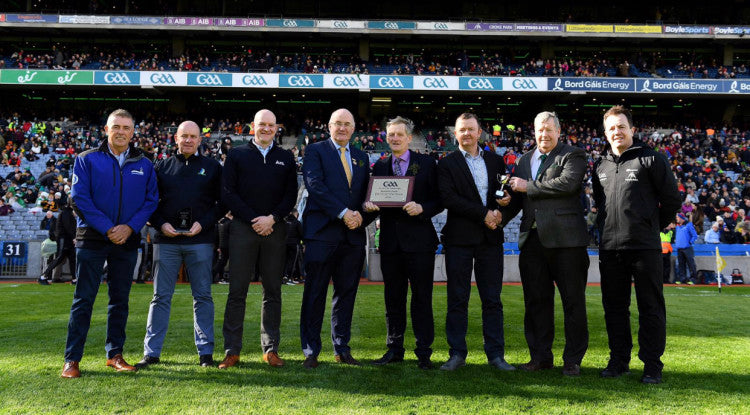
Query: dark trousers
{"points": [[90, 265], [250, 251], [291, 268], [399, 270], [542, 269], [487, 262], [63, 252], [617, 268], [685, 263], [326, 261], [666, 265]]}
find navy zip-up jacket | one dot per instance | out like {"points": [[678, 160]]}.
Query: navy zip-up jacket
{"points": [[105, 194], [255, 186], [193, 183]]}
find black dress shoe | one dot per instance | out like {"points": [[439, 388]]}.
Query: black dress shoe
{"points": [[614, 371], [571, 369], [147, 360], [651, 378], [389, 357], [347, 359], [207, 360], [424, 363], [311, 362], [536, 365]]}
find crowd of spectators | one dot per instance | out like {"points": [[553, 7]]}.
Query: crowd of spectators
{"points": [[424, 61], [711, 164]]}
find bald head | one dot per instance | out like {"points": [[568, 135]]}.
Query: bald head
{"points": [[265, 127], [188, 138], [341, 126]]}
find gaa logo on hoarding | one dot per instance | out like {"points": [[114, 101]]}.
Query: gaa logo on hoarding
{"points": [[524, 84], [345, 81], [435, 83], [162, 78], [289, 23], [116, 78], [387, 82], [254, 80], [340, 24], [480, 83], [390, 25], [204, 79], [441, 26], [302, 81]]}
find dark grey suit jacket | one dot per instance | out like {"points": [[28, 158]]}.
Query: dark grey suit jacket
{"points": [[553, 201]]}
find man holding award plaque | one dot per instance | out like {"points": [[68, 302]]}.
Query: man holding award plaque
{"points": [[469, 184], [189, 189], [407, 242], [548, 184]]}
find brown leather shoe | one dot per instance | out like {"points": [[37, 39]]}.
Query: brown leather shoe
{"points": [[120, 365], [70, 370], [273, 359], [311, 362], [571, 369], [229, 361], [347, 359], [536, 365]]}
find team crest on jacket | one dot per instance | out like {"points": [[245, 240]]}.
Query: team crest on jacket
{"points": [[202, 172], [138, 172], [602, 177], [631, 175]]}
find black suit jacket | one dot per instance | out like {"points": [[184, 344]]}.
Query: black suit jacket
{"points": [[400, 232], [458, 193], [553, 200]]}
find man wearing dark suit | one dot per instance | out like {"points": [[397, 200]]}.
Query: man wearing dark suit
{"points": [[336, 177], [473, 237], [407, 246], [553, 238]]}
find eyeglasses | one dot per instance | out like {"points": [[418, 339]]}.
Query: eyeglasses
{"points": [[340, 124]]}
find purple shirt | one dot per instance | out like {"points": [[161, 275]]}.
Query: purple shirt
{"points": [[404, 162]]}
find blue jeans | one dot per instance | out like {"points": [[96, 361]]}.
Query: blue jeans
{"points": [[89, 267], [197, 259]]}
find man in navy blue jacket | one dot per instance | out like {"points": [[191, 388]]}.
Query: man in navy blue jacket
{"points": [[189, 191], [259, 186], [336, 178], [114, 193]]}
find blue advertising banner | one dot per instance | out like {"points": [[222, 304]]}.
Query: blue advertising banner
{"points": [[475, 83], [687, 30], [209, 79], [391, 82], [117, 78], [290, 23], [392, 25], [31, 18], [301, 81], [135, 20], [591, 84], [682, 86], [731, 30]]}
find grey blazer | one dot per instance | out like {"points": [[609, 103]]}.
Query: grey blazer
{"points": [[553, 201]]}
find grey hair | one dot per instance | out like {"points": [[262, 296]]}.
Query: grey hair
{"points": [[544, 116], [408, 124]]}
